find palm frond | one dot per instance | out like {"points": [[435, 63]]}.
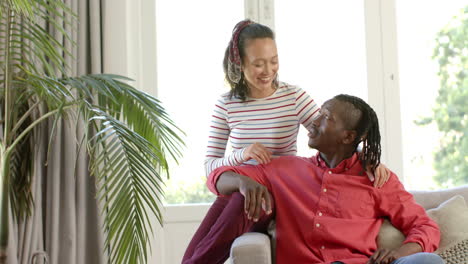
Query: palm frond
{"points": [[20, 173], [128, 134], [32, 45], [127, 164], [39, 48], [22, 7], [145, 107], [124, 164], [50, 90], [143, 113], [21, 169]]}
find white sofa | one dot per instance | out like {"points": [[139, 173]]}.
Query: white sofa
{"points": [[447, 207]]}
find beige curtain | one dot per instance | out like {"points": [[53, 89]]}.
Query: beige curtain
{"points": [[66, 226]]}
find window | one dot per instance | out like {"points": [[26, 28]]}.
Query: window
{"points": [[327, 48], [322, 49], [191, 40], [324, 54], [419, 86]]}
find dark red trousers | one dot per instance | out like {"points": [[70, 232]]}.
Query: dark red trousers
{"points": [[223, 223]]}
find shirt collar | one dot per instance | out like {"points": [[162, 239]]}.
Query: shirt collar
{"points": [[345, 165]]}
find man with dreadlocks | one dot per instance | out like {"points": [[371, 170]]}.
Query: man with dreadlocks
{"points": [[326, 208]]}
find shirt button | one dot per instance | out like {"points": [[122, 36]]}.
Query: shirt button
{"points": [[317, 225], [324, 189], [320, 214], [329, 172], [322, 247]]}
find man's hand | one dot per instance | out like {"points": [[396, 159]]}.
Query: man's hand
{"points": [[384, 256], [256, 197]]}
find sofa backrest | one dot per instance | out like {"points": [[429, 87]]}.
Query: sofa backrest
{"points": [[432, 199]]}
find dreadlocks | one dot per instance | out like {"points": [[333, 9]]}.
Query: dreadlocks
{"points": [[367, 128]]}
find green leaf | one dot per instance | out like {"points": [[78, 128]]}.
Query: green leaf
{"points": [[127, 133], [450, 112]]}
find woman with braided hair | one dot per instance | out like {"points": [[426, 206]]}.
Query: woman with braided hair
{"points": [[260, 116]]}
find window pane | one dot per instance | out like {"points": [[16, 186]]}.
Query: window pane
{"points": [[191, 40], [322, 49], [419, 90]]}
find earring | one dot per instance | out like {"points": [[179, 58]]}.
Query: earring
{"points": [[276, 82]]}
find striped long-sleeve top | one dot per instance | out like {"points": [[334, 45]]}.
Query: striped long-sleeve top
{"points": [[272, 121]]}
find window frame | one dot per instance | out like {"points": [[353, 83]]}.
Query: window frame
{"points": [[128, 58], [382, 70], [383, 93]]}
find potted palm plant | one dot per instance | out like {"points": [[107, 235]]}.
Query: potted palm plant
{"points": [[127, 133]]}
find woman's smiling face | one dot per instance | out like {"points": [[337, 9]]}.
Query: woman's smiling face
{"points": [[260, 66]]}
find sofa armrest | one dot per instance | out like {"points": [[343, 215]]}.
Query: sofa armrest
{"points": [[251, 248]]}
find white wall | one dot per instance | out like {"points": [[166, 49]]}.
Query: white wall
{"points": [[180, 222]]}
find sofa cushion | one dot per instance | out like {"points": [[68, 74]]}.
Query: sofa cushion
{"points": [[433, 198], [456, 253], [251, 248], [389, 236], [451, 216]]}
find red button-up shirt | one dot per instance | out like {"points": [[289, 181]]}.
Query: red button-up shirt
{"points": [[325, 215]]}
